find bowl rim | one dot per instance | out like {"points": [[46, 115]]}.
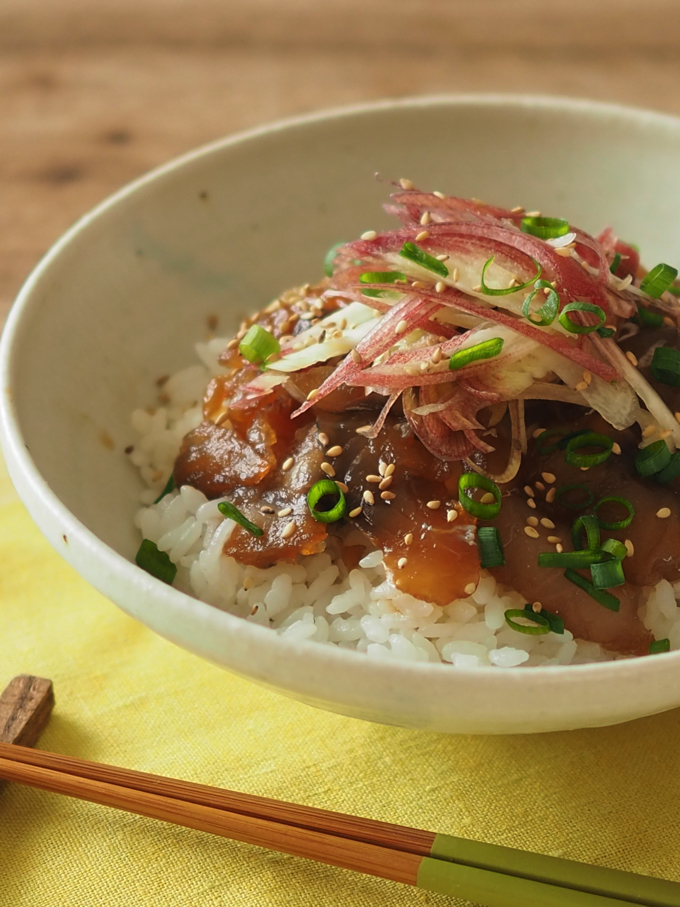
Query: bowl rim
{"points": [[19, 459]]}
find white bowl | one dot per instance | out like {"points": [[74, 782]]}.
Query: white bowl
{"points": [[121, 298]]}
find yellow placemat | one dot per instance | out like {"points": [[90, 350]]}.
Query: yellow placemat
{"points": [[127, 697]]}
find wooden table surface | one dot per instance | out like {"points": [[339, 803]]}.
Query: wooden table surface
{"points": [[94, 94]]}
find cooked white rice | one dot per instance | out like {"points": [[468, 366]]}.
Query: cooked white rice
{"points": [[318, 599]]}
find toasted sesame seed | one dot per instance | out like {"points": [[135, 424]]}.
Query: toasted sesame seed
{"points": [[389, 469], [369, 234], [323, 438], [287, 464], [433, 505], [559, 548], [356, 357], [455, 275], [334, 451], [548, 477], [531, 503], [581, 386], [649, 431], [420, 285], [535, 317], [451, 515], [487, 498], [478, 288], [387, 495], [328, 469], [533, 213], [531, 532], [470, 588], [289, 530], [537, 607], [518, 210], [424, 366], [422, 236], [584, 468], [285, 512], [443, 257], [363, 429], [539, 486], [677, 417], [406, 184], [313, 393], [532, 521], [436, 355], [550, 496], [386, 482], [439, 194], [368, 497], [668, 322], [402, 562], [440, 286], [547, 523], [355, 512], [554, 539], [587, 376], [529, 491], [232, 344], [564, 251], [665, 433], [401, 327], [631, 357], [267, 509], [342, 486], [616, 448], [408, 538], [630, 547], [373, 478], [425, 218], [537, 432], [664, 513]]}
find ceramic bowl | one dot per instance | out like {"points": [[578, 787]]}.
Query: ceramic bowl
{"points": [[123, 295]]}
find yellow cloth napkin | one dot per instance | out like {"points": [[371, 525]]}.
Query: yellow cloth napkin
{"points": [[127, 697]]}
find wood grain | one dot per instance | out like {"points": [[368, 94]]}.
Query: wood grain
{"points": [[25, 708]]}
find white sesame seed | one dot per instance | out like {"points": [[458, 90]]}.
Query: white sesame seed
{"points": [[451, 515], [677, 417], [424, 366], [532, 521], [425, 218], [422, 236], [374, 479], [539, 486], [533, 213], [356, 356], [581, 386], [389, 469], [584, 468], [285, 512], [478, 288], [531, 503], [616, 448], [455, 275], [289, 530], [334, 451], [587, 377], [355, 512], [439, 194], [554, 539], [547, 523], [664, 513], [401, 327], [559, 548], [287, 464], [406, 184], [548, 477], [369, 234], [531, 532], [487, 498], [368, 497], [436, 355], [433, 505], [328, 469], [323, 438], [665, 433], [232, 344], [342, 486], [443, 257], [649, 431], [630, 547], [363, 429], [408, 538], [402, 562], [267, 509], [537, 432], [420, 285], [386, 482], [440, 286], [631, 357], [564, 251], [528, 490], [387, 495], [518, 210], [470, 588], [550, 496], [313, 393]]}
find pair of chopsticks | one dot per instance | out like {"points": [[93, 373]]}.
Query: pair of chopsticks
{"points": [[484, 873]]}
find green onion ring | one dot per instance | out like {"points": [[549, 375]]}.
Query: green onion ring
{"points": [[590, 439], [653, 458], [565, 489], [381, 276], [670, 472], [541, 625], [556, 623], [647, 319], [490, 291], [258, 345], [322, 489], [490, 547], [616, 548], [575, 328], [658, 280], [589, 523], [665, 366], [544, 227], [547, 313], [608, 574], [618, 524], [471, 480], [659, 645]]}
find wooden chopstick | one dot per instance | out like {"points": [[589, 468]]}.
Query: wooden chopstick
{"points": [[491, 875]]}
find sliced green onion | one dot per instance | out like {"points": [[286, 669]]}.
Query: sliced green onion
{"points": [[659, 645], [606, 332], [590, 525], [607, 574], [564, 490], [539, 624], [604, 598], [658, 280], [329, 259], [413, 253], [233, 513], [258, 345], [556, 623], [653, 458], [485, 350], [472, 480], [575, 328], [617, 524], [616, 548], [575, 559], [331, 498], [665, 366], [547, 313], [544, 227], [647, 319], [590, 439], [615, 263], [670, 472], [490, 291], [490, 547], [564, 438], [169, 486], [381, 276], [155, 562]]}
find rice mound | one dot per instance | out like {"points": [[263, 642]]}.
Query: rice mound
{"points": [[318, 599]]}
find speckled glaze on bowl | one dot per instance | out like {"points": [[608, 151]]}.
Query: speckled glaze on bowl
{"points": [[121, 298]]}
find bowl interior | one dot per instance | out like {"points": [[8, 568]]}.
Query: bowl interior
{"points": [[121, 300]]}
